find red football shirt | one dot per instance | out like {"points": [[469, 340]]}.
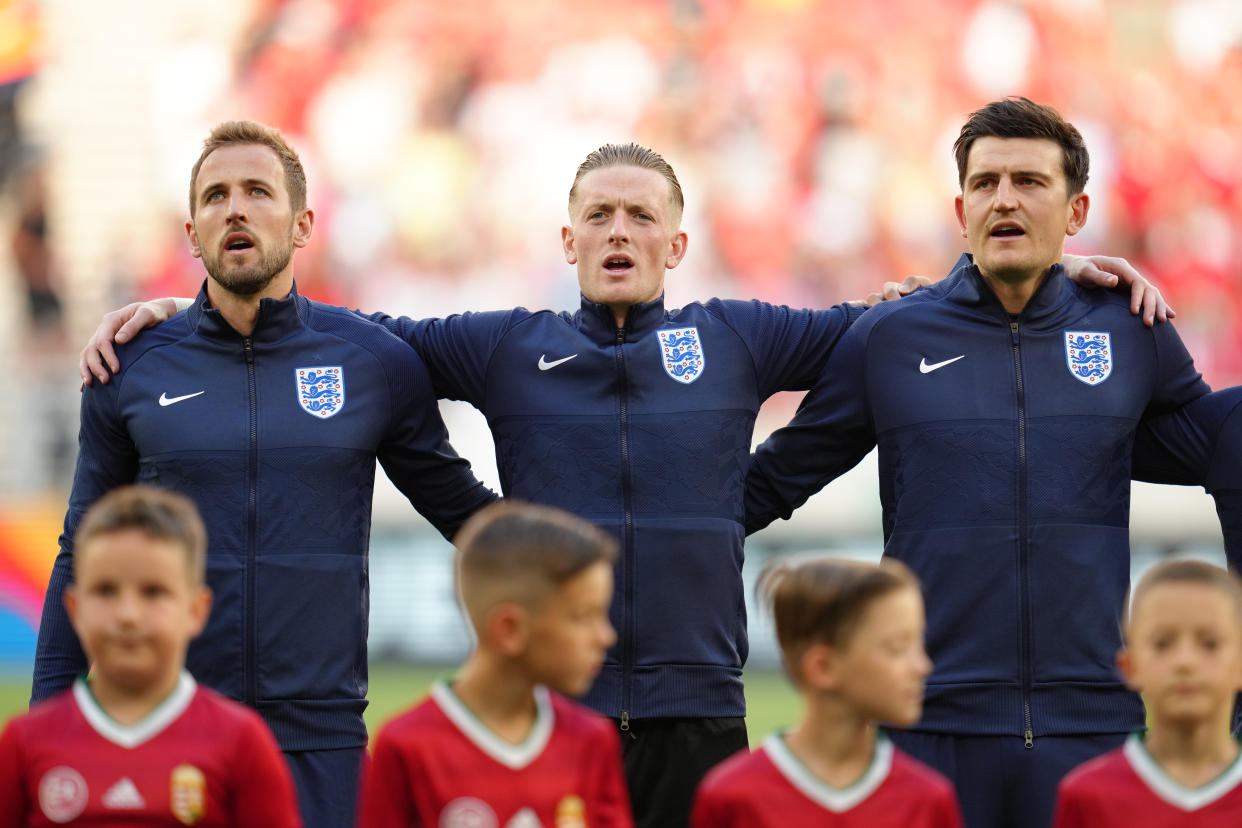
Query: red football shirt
{"points": [[439, 766], [771, 788], [197, 759], [1127, 788]]}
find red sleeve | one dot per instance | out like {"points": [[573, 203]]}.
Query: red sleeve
{"points": [[951, 811], [13, 806], [1067, 814], [385, 801], [709, 811], [263, 793], [608, 801]]}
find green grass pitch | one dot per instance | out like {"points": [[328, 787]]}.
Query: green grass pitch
{"points": [[770, 700]]}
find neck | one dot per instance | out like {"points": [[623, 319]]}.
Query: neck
{"points": [[129, 706], [241, 311], [833, 741], [498, 693], [1015, 291], [1193, 753]]}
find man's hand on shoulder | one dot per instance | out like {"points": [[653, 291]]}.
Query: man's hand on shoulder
{"points": [[1115, 272], [98, 358], [893, 290]]}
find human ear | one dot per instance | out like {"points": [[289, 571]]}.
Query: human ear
{"points": [[567, 243], [1080, 203], [677, 250], [1125, 666], [192, 235], [303, 224], [508, 629]]}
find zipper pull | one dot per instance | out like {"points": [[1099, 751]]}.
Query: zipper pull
{"points": [[1029, 737], [625, 724]]}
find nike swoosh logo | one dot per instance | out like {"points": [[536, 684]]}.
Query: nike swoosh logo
{"points": [[924, 368], [545, 365], [167, 400]]}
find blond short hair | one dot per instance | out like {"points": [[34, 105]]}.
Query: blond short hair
{"points": [[630, 155]]}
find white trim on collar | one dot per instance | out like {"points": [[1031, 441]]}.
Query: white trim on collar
{"points": [[151, 725], [1169, 789], [837, 800], [510, 755]]}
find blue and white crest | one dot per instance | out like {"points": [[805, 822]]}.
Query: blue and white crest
{"points": [[681, 351], [321, 390], [1089, 355]]}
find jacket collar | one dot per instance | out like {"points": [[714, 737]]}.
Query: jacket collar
{"points": [[595, 320], [1044, 307], [277, 317]]}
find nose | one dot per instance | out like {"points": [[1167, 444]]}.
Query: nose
{"points": [[608, 636], [619, 231], [237, 209], [1005, 197]]}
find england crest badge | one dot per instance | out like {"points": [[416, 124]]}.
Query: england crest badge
{"points": [[1089, 355], [681, 351], [321, 390]]}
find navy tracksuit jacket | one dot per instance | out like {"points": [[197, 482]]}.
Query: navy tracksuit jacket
{"points": [[1005, 464], [275, 437], [646, 431]]}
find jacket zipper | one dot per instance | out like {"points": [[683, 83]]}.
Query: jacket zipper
{"points": [[250, 670], [627, 616], [1028, 731]]}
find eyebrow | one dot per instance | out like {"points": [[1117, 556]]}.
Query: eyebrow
{"points": [[1013, 174], [249, 182]]}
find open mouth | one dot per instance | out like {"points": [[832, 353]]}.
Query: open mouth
{"points": [[238, 241], [618, 264], [1005, 231]]}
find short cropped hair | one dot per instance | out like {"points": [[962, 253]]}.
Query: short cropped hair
{"points": [[1022, 118], [521, 552], [822, 601], [232, 133], [629, 155], [1189, 572], [159, 514]]}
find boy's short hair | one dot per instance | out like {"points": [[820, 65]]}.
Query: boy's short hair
{"points": [[821, 601], [630, 155], [1188, 572], [520, 552], [157, 513]]}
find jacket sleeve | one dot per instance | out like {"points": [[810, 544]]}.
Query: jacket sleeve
{"points": [[829, 435], [1177, 380], [107, 459], [455, 349], [416, 454], [1199, 444], [790, 346]]}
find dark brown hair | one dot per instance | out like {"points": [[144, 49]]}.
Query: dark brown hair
{"points": [[157, 513], [1022, 118], [232, 133]]}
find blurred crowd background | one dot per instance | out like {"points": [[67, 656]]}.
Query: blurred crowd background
{"points": [[812, 139]]}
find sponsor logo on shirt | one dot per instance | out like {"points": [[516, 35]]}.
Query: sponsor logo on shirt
{"points": [[467, 812], [124, 796]]}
